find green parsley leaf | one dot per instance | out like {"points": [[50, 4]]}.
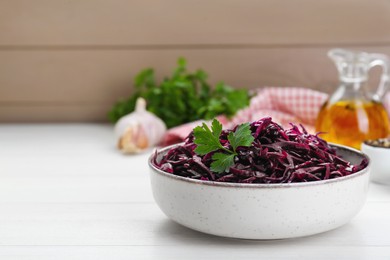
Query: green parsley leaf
{"points": [[216, 127], [241, 137], [222, 162], [207, 141]]}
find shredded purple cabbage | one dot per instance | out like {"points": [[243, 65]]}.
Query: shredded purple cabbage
{"points": [[275, 156]]}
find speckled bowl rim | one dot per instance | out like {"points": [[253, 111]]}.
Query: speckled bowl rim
{"points": [[382, 149], [262, 185]]}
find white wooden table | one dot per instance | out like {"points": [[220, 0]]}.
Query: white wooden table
{"points": [[67, 193]]}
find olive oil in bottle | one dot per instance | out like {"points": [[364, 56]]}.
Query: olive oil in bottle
{"points": [[352, 114], [351, 122]]}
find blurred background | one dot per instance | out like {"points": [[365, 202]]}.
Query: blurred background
{"points": [[70, 60]]}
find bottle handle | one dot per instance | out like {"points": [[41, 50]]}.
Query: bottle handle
{"points": [[383, 61]]}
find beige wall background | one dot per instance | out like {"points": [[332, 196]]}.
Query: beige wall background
{"points": [[69, 60]]}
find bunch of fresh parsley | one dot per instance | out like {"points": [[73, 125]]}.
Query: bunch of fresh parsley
{"points": [[182, 98], [208, 141]]}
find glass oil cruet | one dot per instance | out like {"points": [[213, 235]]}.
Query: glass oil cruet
{"points": [[351, 114]]}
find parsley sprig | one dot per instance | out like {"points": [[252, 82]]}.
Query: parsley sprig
{"points": [[208, 140], [183, 97]]}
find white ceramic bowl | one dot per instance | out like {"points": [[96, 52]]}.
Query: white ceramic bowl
{"points": [[262, 211], [380, 163]]}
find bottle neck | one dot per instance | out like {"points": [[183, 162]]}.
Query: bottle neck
{"points": [[356, 85], [351, 79], [348, 90]]}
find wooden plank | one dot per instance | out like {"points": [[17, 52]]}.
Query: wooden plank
{"points": [[147, 22], [67, 112], [100, 77], [79, 85], [221, 249], [143, 224], [74, 163]]}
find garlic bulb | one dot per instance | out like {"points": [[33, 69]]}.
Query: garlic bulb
{"points": [[139, 130]]}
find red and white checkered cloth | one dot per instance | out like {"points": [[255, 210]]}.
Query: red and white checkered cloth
{"points": [[285, 105]]}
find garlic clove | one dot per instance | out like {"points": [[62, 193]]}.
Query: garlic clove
{"points": [[139, 130], [134, 140]]}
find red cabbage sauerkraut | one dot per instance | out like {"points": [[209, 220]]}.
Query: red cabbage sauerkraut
{"points": [[275, 156]]}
